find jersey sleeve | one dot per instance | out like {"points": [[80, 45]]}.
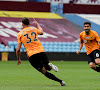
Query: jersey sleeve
{"points": [[81, 40], [37, 30], [18, 38], [97, 37]]}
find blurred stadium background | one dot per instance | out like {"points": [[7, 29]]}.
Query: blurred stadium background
{"points": [[62, 22]]}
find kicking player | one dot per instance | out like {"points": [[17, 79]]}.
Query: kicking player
{"points": [[92, 44], [34, 49]]}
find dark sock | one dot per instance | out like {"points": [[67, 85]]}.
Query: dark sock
{"points": [[53, 77], [99, 66], [96, 69]]}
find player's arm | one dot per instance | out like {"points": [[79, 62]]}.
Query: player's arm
{"points": [[99, 43], [18, 53], [18, 48], [80, 47], [97, 38], [38, 26], [81, 44]]}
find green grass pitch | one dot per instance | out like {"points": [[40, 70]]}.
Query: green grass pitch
{"points": [[76, 74]]}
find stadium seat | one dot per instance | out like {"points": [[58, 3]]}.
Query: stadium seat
{"points": [[73, 44], [14, 43], [1, 49], [51, 47], [43, 43], [22, 46], [64, 43], [2, 46], [6, 50], [11, 49], [24, 50], [55, 43], [21, 50], [77, 44], [50, 50], [55, 50], [46, 50], [46, 43], [59, 50], [10, 43], [72, 50], [51, 43], [68, 43]]}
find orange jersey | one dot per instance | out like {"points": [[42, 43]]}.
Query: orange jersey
{"points": [[29, 37], [90, 41]]}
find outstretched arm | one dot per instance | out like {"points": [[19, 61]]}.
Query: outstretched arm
{"points": [[38, 26]]}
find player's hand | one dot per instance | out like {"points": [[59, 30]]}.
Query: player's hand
{"points": [[35, 22], [18, 62], [78, 52]]}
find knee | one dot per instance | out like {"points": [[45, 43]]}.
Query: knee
{"points": [[43, 71], [97, 61], [92, 65]]}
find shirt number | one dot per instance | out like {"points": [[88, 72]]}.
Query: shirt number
{"points": [[97, 54], [27, 35]]}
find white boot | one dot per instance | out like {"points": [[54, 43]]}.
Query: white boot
{"points": [[62, 83], [55, 68]]}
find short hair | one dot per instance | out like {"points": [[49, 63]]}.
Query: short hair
{"points": [[25, 21], [87, 23]]}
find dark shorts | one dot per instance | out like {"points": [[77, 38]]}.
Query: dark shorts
{"points": [[93, 55], [39, 60]]}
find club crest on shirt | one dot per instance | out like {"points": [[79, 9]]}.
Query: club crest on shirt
{"points": [[91, 37], [85, 41], [87, 37]]}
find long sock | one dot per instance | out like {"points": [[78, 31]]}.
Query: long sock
{"points": [[99, 65], [53, 77], [96, 69]]}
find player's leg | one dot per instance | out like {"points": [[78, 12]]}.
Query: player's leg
{"points": [[47, 64], [97, 57], [92, 57], [45, 61], [91, 62], [97, 61], [37, 62], [53, 67], [51, 76], [46, 67], [94, 67]]}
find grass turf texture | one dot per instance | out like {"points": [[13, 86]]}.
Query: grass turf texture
{"points": [[77, 75]]}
